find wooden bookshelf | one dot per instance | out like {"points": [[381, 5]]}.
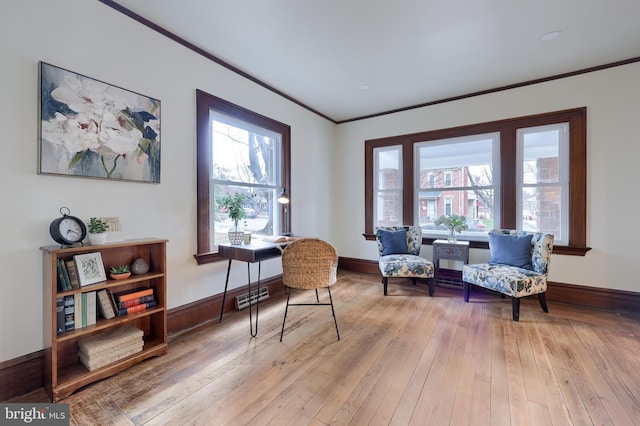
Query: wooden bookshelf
{"points": [[63, 371]]}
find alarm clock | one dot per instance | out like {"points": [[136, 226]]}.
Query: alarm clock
{"points": [[67, 230]]}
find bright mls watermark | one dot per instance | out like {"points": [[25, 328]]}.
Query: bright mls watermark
{"points": [[34, 414]]}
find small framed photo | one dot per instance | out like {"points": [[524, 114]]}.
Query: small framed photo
{"points": [[90, 268]]}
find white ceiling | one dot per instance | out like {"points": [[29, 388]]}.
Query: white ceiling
{"points": [[409, 52]]}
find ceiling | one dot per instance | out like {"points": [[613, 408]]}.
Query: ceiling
{"points": [[348, 59]]}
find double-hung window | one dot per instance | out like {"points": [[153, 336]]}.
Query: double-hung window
{"points": [[526, 173], [465, 173], [239, 152]]}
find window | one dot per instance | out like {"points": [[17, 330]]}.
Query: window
{"points": [[388, 185], [238, 152], [524, 173], [543, 180], [465, 183]]}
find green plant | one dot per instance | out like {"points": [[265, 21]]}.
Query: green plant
{"points": [[122, 269], [97, 225], [233, 204]]}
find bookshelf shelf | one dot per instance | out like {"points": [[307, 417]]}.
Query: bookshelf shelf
{"points": [[63, 371]]}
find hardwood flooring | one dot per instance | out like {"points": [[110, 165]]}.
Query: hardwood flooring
{"points": [[404, 359]]}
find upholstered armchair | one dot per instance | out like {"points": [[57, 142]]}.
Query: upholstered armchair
{"points": [[518, 267], [399, 248]]}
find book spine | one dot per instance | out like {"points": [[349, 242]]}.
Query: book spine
{"points": [[62, 285], [60, 315], [133, 295], [114, 304], [78, 309], [73, 273], [69, 313], [104, 304], [65, 274], [138, 301], [90, 313], [137, 308]]}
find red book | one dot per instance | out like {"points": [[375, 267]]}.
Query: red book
{"points": [[137, 308], [123, 296]]}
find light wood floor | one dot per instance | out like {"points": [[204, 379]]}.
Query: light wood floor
{"points": [[403, 359]]}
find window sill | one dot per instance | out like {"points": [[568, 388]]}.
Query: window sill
{"points": [[564, 250]]}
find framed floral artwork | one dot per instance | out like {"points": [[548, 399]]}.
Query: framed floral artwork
{"points": [[89, 128], [90, 268]]}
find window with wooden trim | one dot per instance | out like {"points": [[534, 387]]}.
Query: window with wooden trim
{"points": [[239, 152], [523, 173]]}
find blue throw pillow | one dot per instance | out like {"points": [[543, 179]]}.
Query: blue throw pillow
{"points": [[514, 250], [393, 242]]}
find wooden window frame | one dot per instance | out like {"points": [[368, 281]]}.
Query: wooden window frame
{"points": [[577, 119], [204, 104]]}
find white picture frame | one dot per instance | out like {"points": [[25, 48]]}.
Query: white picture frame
{"points": [[90, 268]]}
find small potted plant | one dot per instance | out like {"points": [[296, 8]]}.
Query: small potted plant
{"points": [[97, 230], [120, 272], [234, 206]]}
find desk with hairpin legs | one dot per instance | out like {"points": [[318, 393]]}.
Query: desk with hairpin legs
{"points": [[256, 251]]}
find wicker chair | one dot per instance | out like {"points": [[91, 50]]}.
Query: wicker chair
{"points": [[309, 264]]}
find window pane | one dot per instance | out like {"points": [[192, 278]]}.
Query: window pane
{"points": [[260, 211], [456, 177], [388, 186], [244, 160], [542, 175], [243, 154]]}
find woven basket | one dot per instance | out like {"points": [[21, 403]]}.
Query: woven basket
{"points": [[309, 263]]}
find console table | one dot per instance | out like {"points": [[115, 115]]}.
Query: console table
{"points": [[443, 249], [256, 251]]}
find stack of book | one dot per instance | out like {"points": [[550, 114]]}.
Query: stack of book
{"points": [[132, 301], [103, 349]]}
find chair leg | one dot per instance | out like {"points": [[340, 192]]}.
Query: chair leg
{"points": [[515, 308], [335, 321], [466, 290], [415, 281], [384, 284], [288, 291], [317, 299], [543, 301], [432, 286]]}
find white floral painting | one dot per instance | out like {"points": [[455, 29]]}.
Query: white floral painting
{"points": [[93, 129]]}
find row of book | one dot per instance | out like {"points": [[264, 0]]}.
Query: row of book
{"points": [[67, 275], [111, 346], [81, 309]]}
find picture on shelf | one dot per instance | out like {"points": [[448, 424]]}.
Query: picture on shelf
{"points": [[90, 268]]}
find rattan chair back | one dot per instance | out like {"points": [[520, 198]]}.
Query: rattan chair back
{"points": [[309, 263]]}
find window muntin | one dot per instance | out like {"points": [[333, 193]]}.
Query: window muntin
{"points": [[253, 159], [543, 180]]}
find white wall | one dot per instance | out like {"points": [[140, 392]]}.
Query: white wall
{"points": [[92, 39], [613, 157]]}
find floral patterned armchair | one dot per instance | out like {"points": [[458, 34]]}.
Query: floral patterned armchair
{"points": [[399, 248], [508, 279]]}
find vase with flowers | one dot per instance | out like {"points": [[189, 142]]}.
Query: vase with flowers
{"points": [[454, 223]]}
